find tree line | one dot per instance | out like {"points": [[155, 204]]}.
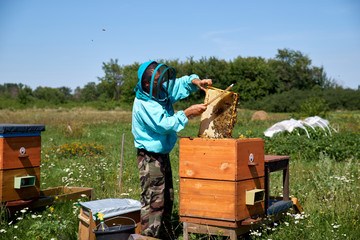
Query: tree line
{"points": [[279, 84]]}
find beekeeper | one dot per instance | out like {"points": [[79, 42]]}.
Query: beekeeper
{"points": [[154, 126]]}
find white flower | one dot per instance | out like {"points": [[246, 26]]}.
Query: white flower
{"points": [[19, 218], [23, 210], [125, 194], [16, 226], [336, 226], [296, 222], [2, 231], [83, 195], [286, 223], [33, 216]]}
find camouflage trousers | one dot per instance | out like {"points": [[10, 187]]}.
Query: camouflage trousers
{"points": [[157, 194]]}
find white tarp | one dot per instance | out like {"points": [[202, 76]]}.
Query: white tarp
{"points": [[290, 125], [112, 206]]}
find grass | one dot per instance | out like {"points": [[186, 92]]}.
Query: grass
{"points": [[82, 147]]}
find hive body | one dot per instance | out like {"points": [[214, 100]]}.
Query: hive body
{"points": [[215, 175], [20, 159]]}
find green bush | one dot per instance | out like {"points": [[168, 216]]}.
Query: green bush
{"points": [[314, 106], [338, 146]]}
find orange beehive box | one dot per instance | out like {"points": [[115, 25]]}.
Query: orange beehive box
{"points": [[215, 176], [220, 200], [221, 159], [20, 159], [10, 156]]}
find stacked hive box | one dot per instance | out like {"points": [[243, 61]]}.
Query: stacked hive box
{"points": [[20, 155], [215, 176]]}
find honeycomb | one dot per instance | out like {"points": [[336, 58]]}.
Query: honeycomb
{"points": [[219, 118]]}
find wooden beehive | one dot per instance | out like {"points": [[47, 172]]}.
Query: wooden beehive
{"points": [[20, 157], [215, 175], [220, 116]]}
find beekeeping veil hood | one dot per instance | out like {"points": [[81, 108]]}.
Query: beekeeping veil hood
{"points": [[156, 81]]}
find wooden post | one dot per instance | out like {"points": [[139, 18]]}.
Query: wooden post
{"points": [[121, 162], [185, 231]]}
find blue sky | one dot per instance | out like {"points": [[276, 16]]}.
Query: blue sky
{"points": [[64, 43]]}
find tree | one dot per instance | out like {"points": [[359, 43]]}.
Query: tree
{"points": [[24, 94], [111, 83], [89, 92], [52, 95], [294, 70], [253, 78]]}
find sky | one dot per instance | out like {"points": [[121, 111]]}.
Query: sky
{"points": [[65, 42]]}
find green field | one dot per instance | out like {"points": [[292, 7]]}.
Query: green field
{"points": [[82, 147]]}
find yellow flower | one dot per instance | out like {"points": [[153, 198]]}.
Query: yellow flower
{"points": [[241, 136], [51, 209]]}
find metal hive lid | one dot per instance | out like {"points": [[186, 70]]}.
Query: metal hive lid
{"points": [[6, 128]]}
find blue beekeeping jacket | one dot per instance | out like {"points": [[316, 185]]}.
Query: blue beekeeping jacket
{"points": [[154, 123]]}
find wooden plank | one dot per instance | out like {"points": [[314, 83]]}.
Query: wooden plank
{"points": [[275, 158], [7, 191], [68, 193], [218, 230], [10, 151], [207, 221]]}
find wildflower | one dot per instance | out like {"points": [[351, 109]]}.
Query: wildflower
{"points": [[2, 231], [336, 226], [51, 208], [16, 226], [33, 216]]}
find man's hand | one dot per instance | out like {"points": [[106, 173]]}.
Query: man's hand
{"points": [[195, 110], [202, 83]]}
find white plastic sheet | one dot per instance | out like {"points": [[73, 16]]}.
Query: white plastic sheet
{"points": [[290, 125]]}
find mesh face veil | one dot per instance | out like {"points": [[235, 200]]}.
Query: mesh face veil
{"points": [[162, 82]]}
